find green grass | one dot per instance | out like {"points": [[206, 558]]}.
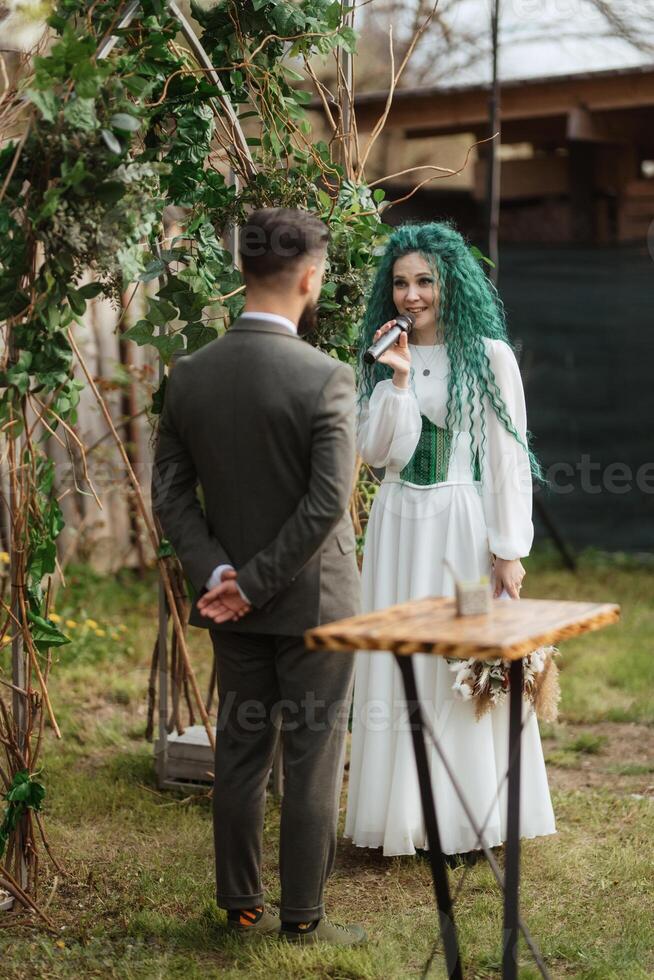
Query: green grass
{"points": [[137, 899], [607, 675], [631, 768]]}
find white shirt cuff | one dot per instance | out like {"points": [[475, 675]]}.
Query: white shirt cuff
{"points": [[216, 578]]}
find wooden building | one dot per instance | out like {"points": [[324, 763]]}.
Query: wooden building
{"points": [[577, 151]]}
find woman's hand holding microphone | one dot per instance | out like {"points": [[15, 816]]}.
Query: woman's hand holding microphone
{"points": [[397, 357]]}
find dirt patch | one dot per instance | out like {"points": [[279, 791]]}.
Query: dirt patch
{"points": [[607, 755]]}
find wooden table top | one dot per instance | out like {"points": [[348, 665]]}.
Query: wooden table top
{"points": [[513, 629]]}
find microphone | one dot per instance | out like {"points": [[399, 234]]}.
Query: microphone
{"points": [[404, 323]]}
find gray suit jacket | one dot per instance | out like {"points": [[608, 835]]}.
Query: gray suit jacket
{"points": [[265, 424]]}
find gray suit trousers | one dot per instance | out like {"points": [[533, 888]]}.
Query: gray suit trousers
{"points": [[269, 683]]}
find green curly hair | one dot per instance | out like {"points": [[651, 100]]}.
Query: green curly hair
{"points": [[470, 309]]}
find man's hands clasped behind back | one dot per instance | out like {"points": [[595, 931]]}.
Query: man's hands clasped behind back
{"points": [[224, 603]]}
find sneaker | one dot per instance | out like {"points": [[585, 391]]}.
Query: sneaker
{"points": [[268, 925], [327, 932]]}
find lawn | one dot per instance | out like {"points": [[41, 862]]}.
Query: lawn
{"points": [[136, 901]]}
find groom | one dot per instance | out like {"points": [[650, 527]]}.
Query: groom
{"points": [[265, 424]]}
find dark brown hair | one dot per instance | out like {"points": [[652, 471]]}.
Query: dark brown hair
{"points": [[274, 240]]}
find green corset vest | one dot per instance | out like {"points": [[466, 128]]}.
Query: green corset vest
{"points": [[430, 461]]}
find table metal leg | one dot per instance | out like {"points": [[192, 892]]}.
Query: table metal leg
{"points": [[512, 861], [436, 858]]}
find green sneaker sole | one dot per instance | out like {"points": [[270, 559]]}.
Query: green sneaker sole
{"points": [[327, 932]]}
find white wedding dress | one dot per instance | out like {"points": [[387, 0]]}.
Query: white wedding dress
{"points": [[428, 509]]}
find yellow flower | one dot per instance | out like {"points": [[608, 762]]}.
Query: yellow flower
{"points": [[4, 556], [71, 624], [55, 618], [92, 624], [5, 641], [100, 633], [122, 627]]}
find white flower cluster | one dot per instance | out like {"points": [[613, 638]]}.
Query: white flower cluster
{"points": [[490, 678]]}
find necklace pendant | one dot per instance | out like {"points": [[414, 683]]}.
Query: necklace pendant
{"points": [[426, 372]]}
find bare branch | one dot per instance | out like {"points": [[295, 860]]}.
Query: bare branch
{"points": [[400, 200]]}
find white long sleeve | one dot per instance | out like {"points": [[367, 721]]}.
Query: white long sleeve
{"points": [[389, 426], [506, 475]]}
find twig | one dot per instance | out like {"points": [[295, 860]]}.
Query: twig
{"points": [[400, 173], [400, 200], [152, 691], [13, 687], [121, 425], [321, 89], [11, 885], [153, 540], [14, 162], [46, 844], [35, 663], [41, 419], [234, 292], [76, 439], [381, 122], [48, 900]]}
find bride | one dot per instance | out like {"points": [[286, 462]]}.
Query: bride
{"points": [[444, 415]]}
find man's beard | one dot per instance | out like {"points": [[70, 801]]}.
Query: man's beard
{"points": [[308, 319]]}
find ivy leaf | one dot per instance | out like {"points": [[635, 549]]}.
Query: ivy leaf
{"points": [[25, 792], [50, 202], [76, 301], [65, 260], [73, 175], [165, 549], [349, 39], [292, 74], [46, 102], [56, 22], [19, 792], [479, 255], [141, 333], [89, 76], [18, 373], [111, 142], [155, 269], [44, 633], [80, 114], [90, 290], [325, 200], [197, 335], [35, 795], [122, 120], [42, 561], [167, 344], [161, 312], [137, 85]]}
